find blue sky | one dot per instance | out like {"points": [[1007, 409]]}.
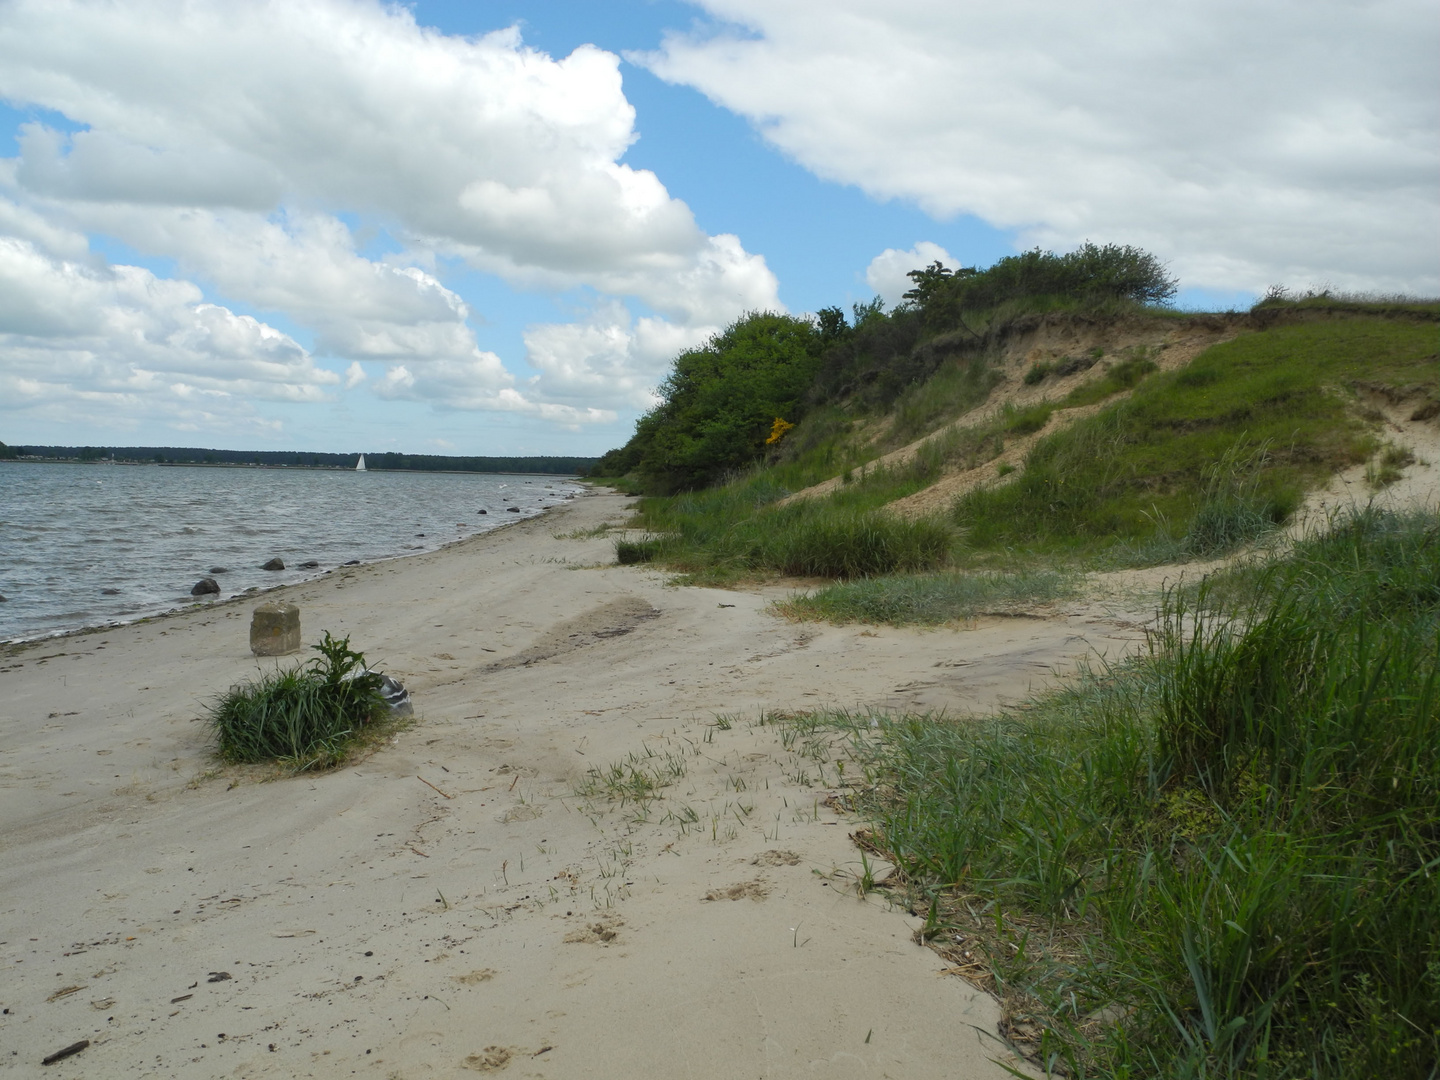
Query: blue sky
{"points": [[334, 225]]}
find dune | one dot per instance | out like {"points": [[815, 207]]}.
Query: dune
{"points": [[469, 899]]}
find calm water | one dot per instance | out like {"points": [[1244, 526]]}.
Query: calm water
{"points": [[88, 545]]}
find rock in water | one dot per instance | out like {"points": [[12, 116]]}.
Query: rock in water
{"points": [[480, 511], [512, 509], [309, 564], [275, 629], [274, 564], [205, 587], [219, 570]]}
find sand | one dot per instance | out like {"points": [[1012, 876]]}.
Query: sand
{"points": [[451, 905]]}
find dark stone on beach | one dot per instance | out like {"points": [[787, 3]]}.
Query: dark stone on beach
{"points": [[274, 564], [218, 570], [309, 564], [352, 562], [109, 592], [205, 586], [512, 509]]}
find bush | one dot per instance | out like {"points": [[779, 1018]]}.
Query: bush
{"points": [[310, 715], [1087, 275], [631, 552], [851, 545], [719, 402]]}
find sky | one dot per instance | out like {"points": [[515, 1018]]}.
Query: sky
{"points": [[488, 228]]}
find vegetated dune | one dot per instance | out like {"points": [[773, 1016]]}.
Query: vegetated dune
{"points": [[1050, 340], [1077, 351]]}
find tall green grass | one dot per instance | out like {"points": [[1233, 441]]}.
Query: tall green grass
{"points": [[929, 599], [308, 717], [1140, 466], [809, 538], [1221, 859]]}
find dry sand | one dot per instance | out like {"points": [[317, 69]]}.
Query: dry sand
{"points": [[363, 922]]}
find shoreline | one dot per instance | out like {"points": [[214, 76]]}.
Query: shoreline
{"points": [[471, 897], [14, 645]]}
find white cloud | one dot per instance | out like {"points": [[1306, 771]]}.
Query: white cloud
{"points": [[611, 359], [245, 140], [98, 344], [886, 274], [354, 375], [467, 385], [1244, 142]]}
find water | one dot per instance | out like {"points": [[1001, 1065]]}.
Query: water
{"points": [[91, 545]]}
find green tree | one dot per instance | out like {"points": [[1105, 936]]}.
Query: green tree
{"points": [[720, 400], [1088, 275]]}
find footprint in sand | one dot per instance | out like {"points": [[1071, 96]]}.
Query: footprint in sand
{"points": [[776, 858], [753, 890], [476, 977], [491, 1059], [596, 933]]}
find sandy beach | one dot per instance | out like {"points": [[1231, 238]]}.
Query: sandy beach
{"points": [[452, 904]]}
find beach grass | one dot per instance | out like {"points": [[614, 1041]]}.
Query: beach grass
{"points": [[719, 534], [1280, 401], [307, 717], [1219, 859], [929, 599]]}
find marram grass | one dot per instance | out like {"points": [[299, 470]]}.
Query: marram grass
{"points": [[1221, 859]]}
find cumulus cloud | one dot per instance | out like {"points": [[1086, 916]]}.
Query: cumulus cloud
{"points": [[466, 384], [886, 272], [337, 110], [101, 343], [609, 359], [1244, 142]]}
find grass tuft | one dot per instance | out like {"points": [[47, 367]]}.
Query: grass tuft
{"points": [[308, 717], [929, 599]]}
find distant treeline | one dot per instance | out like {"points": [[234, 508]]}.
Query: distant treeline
{"points": [[188, 455]]}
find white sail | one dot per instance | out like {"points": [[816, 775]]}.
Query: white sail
{"points": [[360, 465]]}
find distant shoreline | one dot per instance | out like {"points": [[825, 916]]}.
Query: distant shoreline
{"points": [[288, 468], [15, 645]]}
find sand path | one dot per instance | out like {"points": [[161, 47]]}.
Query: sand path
{"points": [[371, 925]]}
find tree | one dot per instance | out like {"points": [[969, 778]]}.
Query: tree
{"points": [[721, 399]]}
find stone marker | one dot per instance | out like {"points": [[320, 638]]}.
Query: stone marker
{"points": [[275, 629]]}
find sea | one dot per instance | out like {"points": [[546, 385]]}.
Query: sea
{"points": [[86, 545]]}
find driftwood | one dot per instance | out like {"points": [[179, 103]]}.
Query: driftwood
{"points": [[59, 1055]]}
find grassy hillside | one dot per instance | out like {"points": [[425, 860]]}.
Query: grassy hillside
{"points": [[1218, 859], [1123, 462]]}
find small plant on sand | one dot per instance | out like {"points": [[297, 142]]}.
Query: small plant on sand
{"points": [[309, 715]]}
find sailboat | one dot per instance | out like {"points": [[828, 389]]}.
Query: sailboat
{"points": [[360, 465]]}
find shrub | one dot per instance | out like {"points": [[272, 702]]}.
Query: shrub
{"points": [[309, 715], [1087, 275], [631, 552]]}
